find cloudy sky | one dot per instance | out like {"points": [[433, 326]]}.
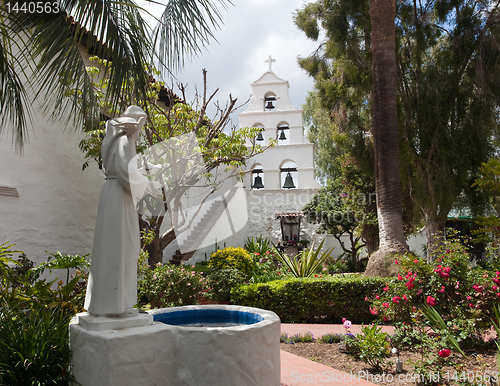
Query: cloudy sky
{"points": [[252, 30]]}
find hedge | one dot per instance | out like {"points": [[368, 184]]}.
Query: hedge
{"points": [[307, 300]]}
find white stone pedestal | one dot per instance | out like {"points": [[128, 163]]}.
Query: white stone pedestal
{"points": [[166, 355], [101, 323]]}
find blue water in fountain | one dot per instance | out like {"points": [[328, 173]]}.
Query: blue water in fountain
{"points": [[208, 318]]}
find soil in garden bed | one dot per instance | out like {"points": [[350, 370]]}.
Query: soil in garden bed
{"points": [[479, 362]]}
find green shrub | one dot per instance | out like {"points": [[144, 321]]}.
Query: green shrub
{"points": [[170, 285], [373, 346], [331, 338], [231, 257], [456, 291], [297, 338], [221, 281], [265, 272], [344, 265], [307, 300], [34, 346]]}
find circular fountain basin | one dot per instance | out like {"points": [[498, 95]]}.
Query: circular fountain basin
{"points": [[207, 317], [221, 345]]}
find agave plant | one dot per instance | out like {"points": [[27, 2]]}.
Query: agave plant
{"points": [[306, 262], [259, 245]]}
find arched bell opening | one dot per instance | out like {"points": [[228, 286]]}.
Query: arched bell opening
{"points": [[289, 175], [270, 102], [257, 177]]}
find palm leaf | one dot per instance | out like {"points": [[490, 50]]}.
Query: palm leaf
{"points": [[185, 27], [111, 29], [14, 104]]}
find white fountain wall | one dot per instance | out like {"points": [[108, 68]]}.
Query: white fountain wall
{"points": [[166, 355]]}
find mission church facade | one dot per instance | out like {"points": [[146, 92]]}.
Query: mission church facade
{"points": [[49, 204]]}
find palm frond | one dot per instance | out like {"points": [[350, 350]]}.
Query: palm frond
{"points": [[185, 27], [113, 30], [14, 103]]}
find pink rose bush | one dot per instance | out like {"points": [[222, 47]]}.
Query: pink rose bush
{"points": [[448, 284]]}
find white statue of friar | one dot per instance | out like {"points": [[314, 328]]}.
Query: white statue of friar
{"points": [[112, 285]]}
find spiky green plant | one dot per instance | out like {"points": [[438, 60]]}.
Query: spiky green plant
{"points": [[259, 245], [306, 263]]}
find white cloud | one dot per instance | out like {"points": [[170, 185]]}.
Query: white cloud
{"points": [[252, 30]]}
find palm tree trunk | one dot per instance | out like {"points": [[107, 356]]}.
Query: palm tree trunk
{"points": [[385, 125], [386, 139]]}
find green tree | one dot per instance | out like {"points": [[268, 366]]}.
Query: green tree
{"points": [[195, 153], [447, 72], [45, 47], [333, 208], [449, 102]]}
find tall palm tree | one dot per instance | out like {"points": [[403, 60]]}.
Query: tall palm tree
{"points": [[385, 134], [43, 50]]}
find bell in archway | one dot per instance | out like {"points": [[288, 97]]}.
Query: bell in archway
{"points": [[288, 182], [269, 105], [260, 137], [282, 135], [257, 183]]}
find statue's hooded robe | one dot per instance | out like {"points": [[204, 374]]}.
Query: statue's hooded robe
{"points": [[112, 285]]}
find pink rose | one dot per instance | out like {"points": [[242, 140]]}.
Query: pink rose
{"points": [[444, 353], [431, 301]]}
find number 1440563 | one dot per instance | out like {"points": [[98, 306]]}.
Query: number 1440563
{"points": [[33, 7]]}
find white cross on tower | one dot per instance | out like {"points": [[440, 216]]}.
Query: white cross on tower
{"points": [[270, 61]]}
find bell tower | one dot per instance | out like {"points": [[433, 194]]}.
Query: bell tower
{"points": [[281, 180]]}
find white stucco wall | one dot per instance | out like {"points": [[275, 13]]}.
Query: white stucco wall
{"points": [[57, 203]]}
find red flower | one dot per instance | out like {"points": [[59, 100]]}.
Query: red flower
{"points": [[498, 295], [405, 297], [494, 287], [444, 353], [400, 277], [386, 318], [386, 288], [410, 285], [431, 301], [396, 299], [477, 288], [416, 261], [373, 311], [385, 305]]}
